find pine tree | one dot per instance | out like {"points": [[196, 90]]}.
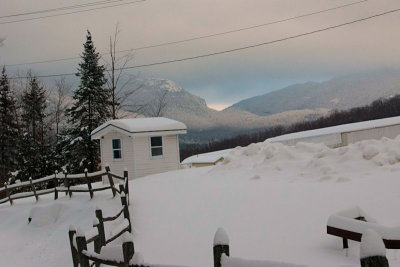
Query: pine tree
{"points": [[88, 111], [33, 150], [8, 129]]}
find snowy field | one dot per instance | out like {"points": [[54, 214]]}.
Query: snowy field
{"points": [[273, 201]]}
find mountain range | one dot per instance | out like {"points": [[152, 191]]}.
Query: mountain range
{"points": [[338, 93], [292, 104]]}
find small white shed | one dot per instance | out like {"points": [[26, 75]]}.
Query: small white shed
{"points": [[142, 145]]}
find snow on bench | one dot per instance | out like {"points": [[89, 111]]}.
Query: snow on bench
{"points": [[354, 222]]}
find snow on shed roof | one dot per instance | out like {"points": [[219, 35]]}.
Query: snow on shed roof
{"points": [[344, 128], [140, 126], [210, 157]]}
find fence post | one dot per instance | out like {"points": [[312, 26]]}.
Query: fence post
{"points": [[100, 226], [55, 185], [33, 189], [372, 250], [97, 242], [127, 249], [126, 209], [110, 180], [89, 184], [126, 179], [82, 245], [74, 253], [221, 246], [8, 193], [66, 183]]}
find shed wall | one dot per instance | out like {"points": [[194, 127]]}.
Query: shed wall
{"points": [[117, 166], [331, 140], [146, 165], [375, 133]]}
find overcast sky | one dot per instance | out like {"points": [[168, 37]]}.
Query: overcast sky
{"points": [[223, 79]]}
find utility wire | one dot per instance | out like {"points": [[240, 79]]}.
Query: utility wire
{"points": [[60, 8], [195, 38], [235, 49], [72, 12]]}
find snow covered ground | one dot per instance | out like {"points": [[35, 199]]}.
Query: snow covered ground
{"points": [[273, 201]]}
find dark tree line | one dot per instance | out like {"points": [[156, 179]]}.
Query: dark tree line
{"points": [[379, 109], [41, 133]]}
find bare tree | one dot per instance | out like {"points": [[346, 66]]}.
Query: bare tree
{"points": [[120, 83], [2, 41], [158, 107], [61, 102]]}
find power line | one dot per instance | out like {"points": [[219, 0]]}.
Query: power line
{"points": [[72, 12], [196, 38], [60, 8], [235, 49]]}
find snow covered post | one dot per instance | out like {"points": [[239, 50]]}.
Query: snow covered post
{"points": [[8, 193], [55, 185], [127, 248], [100, 226], [71, 233], [221, 246], [372, 250], [82, 245], [33, 189], [110, 179]]}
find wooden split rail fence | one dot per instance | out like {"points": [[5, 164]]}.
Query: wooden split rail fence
{"points": [[79, 239], [62, 182]]}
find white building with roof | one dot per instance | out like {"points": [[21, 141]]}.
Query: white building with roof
{"points": [[344, 134], [142, 145]]}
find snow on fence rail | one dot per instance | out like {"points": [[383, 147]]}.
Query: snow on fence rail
{"points": [[66, 180]]}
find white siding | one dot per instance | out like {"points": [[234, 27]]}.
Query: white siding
{"points": [[117, 166], [146, 165], [332, 140], [375, 133]]}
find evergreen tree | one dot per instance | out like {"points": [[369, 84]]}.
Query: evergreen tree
{"points": [[88, 111], [8, 129], [33, 110], [33, 150]]}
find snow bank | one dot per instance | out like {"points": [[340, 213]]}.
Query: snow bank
{"points": [[236, 262], [314, 160], [137, 259], [371, 245], [46, 215]]}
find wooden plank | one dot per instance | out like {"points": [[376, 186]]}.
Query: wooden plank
{"points": [[389, 243]]}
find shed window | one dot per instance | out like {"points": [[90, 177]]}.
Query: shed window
{"points": [[156, 146], [117, 149]]}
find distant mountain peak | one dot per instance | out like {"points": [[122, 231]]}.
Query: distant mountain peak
{"points": [[162, 84]]}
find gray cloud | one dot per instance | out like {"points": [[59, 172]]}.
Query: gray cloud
{"points": [[360, 47]]}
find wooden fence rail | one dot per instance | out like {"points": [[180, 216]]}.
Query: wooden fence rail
{"points": [[67, 180], [80, 254]]}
